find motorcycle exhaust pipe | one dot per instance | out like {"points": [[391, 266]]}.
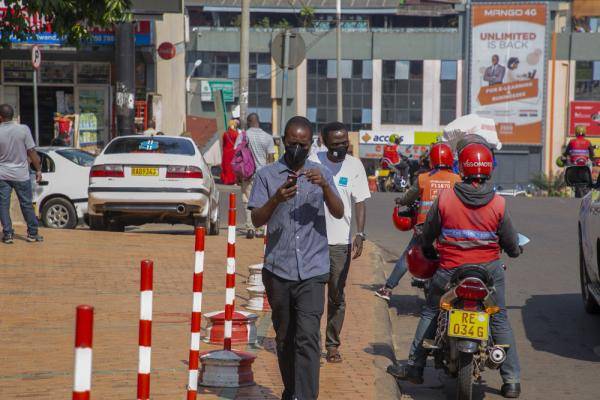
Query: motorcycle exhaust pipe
{"points": [[496, 357]]}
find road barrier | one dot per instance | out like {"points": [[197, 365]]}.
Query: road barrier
{"points": [[257, 295], [196, 314], [84, 325], [145, 331], [230, 277]]}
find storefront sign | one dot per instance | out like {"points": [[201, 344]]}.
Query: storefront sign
{"points": [[375, 151], [208, 86], [586, 113], [167, 50], [507, 68], [408, 137]]}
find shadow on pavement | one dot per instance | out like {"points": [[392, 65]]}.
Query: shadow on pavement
{"points": [[405, 304], [558, 324], [381, 349], [249, 392]]}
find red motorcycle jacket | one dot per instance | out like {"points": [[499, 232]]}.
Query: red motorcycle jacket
{"points": [[390, 151], [579, 149], [471, 225]]}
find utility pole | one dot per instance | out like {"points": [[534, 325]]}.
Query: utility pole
{"points": [[125, 90], [284, 81], [338, 63], [244, 61]]}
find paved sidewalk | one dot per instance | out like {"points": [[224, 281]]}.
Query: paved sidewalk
{"points": [[40, 285]]}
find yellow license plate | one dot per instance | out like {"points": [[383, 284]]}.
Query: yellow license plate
{"points": [[467, 324], [144, 171], [384, 172]]}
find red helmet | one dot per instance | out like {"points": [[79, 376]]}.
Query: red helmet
{"points": [[402, 222], [440, 156], [476, 161], [420, 266]]}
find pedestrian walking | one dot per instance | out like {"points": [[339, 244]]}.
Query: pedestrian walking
{"points": [[290, 196], [229, 138], [16, 145], [351, 182], [263, 151]]}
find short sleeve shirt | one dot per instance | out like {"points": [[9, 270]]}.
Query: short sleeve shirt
{"points": [[261, 144], [15, 140], [351, 182], [297, 234]]}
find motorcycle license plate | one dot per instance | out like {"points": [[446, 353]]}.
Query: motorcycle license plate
{"points": [[144, 171], [384, 172], [467, 324]]}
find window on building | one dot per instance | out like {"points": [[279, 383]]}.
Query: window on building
{"points": [[226, 65], [448, 92], [402, 92], [321, 93], [587, 80]]}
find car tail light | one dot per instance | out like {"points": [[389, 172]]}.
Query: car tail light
{"points": [[107, 171], [471, 289], [180, 171]]}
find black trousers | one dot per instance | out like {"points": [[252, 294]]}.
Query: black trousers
{"points": [[297, 307]]}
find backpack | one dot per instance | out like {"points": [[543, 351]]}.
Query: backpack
{"points": [[243, 164]]}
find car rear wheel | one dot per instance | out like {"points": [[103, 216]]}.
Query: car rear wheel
{"points": [[589, 302], [59, 213]]}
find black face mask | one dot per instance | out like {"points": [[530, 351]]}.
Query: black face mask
{"points": [[295, 155], [339, 153]]}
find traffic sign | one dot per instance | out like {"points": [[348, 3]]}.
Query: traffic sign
{"points": [[296, 53], [36, 57], [167, 50], [208, 86]]}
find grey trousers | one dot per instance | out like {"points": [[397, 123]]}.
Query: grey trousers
{"points": [[339, 260]]}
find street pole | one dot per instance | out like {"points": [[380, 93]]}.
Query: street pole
{"points": [[125, 88], [244, 61], [340, 105], [284, 80], [36, 121]]}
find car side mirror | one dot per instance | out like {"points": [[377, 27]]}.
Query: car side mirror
{"points": [[43, 183], [578, 176]]}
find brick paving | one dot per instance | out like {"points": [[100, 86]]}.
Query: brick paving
{"points": [[40, 285]]}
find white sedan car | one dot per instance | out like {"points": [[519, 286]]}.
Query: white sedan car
{"points": [[61, 197], [152, 179]]}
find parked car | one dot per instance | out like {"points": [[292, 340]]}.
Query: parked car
{"points": [[151, 179], [61, 198], [589, 241]]}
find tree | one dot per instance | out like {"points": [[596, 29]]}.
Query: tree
{"points": [[71, 19]]}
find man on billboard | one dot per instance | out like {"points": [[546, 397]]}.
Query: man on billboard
{"points": [[494, 74]]}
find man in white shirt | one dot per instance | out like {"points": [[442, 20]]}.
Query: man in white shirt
{"points": [[263, 150], [351, 182]]}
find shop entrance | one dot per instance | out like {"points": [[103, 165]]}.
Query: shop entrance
{"points": [[50, 100]]}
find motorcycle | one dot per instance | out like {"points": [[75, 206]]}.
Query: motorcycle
{"points": [[578, 167], [390, 178]]}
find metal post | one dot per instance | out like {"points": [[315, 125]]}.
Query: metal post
{"points": [[340, 105], [36, 121], [244, 61], [125, 90], [284, 80]]}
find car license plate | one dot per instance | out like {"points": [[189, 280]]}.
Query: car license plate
{"points": [[383, 172], [467, 324], [144, 171]]}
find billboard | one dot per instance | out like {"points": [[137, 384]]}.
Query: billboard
{"points": [[586, 113], [508, 46]]}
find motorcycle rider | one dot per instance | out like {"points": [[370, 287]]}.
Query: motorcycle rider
{"points": [[471, 225], [426, 189], [390, 151], [579, 146]]}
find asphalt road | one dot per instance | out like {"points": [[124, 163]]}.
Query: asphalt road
{"points": [[559, 344]]}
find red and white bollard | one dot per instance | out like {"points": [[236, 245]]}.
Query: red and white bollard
{"points": [[84, 326], [145, 333], [230, 277], [196, 315], [228, 368]]}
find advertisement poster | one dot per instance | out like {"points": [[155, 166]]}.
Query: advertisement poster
{"points": [[507, 68], [586, 113]]}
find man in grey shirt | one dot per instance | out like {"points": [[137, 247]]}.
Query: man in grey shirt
{"points": [[290, 196], [16, 145], [263, 150]]}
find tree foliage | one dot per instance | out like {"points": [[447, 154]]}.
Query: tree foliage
{"points": [[71, 19]]}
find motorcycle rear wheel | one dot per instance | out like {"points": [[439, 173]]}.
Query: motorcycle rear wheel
{"points": [[464, 380]]}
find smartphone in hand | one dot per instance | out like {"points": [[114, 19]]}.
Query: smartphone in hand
{"points": [[292, 180]]}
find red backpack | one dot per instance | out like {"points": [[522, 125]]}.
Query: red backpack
{"points": [[243, 164]]}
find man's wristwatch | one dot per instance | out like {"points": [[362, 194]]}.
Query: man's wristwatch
{"points": [[362, 235]]}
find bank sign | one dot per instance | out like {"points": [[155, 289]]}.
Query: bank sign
{"points": [[99, 37], [373, 137], [508, 43]]}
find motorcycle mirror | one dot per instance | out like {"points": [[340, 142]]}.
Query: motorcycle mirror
{"points": [[523, 240]]}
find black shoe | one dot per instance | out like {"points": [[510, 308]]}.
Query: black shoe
{"points": [[511, 390], [408, 373], [250, 234], [8, 239], [35, 238]]}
